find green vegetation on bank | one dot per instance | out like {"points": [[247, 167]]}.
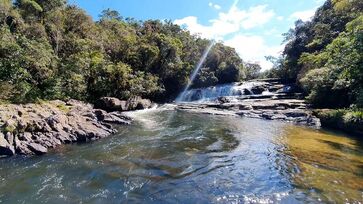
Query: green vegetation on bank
{"points": [[52, 50], [325, 55], [350, 120]]}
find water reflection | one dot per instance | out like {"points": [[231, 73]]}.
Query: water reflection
{"points": [[329, 166], [193, 159]]}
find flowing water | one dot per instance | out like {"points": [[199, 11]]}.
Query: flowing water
{"points": [[214, 92], [193, 159]]}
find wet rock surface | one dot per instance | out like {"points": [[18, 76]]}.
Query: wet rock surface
{"points": [[289, 110], [36, 128], [280, 102]]}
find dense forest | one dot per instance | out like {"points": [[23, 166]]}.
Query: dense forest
{"points": [[325, 55], [52, 50]]}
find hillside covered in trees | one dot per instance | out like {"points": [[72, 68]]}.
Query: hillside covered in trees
{"points": [[52, 50], [325, 55]]}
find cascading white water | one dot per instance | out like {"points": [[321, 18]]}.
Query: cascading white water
{"points": [[226, 90]]}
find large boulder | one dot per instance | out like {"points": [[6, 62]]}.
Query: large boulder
{"points": [[111, 104], [6, 148], [259, 89], [247, 92], [37, 148], [223, 100], [47, 125], [113, 117], [137, 103]]}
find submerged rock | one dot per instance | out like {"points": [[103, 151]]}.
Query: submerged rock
{"points": [[40, 127]]}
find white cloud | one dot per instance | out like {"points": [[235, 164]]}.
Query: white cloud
{"points": [[254, 49], [303, 15], [250, 48], [247, 19], [216, 6], [230, 22], [280, 18]]}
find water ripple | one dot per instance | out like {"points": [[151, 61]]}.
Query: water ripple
{"points": [[193, 159]]}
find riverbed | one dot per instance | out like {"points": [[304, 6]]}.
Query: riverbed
{"points": [[179, 157]]}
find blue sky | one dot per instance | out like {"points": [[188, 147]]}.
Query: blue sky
{"points": [[252, 27]]}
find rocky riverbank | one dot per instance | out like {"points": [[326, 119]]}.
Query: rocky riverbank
{"points": [[288, 110], [267, 99], [35, 128]]}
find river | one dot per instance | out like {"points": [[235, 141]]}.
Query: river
{"points": [[178, 157]]}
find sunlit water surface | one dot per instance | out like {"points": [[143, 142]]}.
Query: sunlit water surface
{"points": [[193, 159]]}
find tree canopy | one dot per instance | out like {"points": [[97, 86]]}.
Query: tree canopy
{"points": [[325, 55], [52, 50]]}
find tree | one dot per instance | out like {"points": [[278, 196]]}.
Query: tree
{"points": [[109, 14], [252, 70], [51, 50], [324, 55]]}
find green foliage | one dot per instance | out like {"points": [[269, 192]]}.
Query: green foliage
{"points": [[109, 14], [205, 78], [350, 120], [51, 50], [30, 5], [9, 128], [341, 74], [253, 71], [325, 55], [63, 108]]}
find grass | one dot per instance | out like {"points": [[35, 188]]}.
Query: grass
{"points": [[9, 128], [63, 108]]}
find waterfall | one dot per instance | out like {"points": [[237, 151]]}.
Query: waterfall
{"points": [[225, 90]]}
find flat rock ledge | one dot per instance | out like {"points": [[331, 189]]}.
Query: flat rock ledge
{"points": [[288, 110], [35, 128]]}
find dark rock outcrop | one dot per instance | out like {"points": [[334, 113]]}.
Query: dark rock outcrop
{"points": [[258, 89], [113, 117], [40, 127], [5, 147], [223, 100], [137, 103], [110, 104]]}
